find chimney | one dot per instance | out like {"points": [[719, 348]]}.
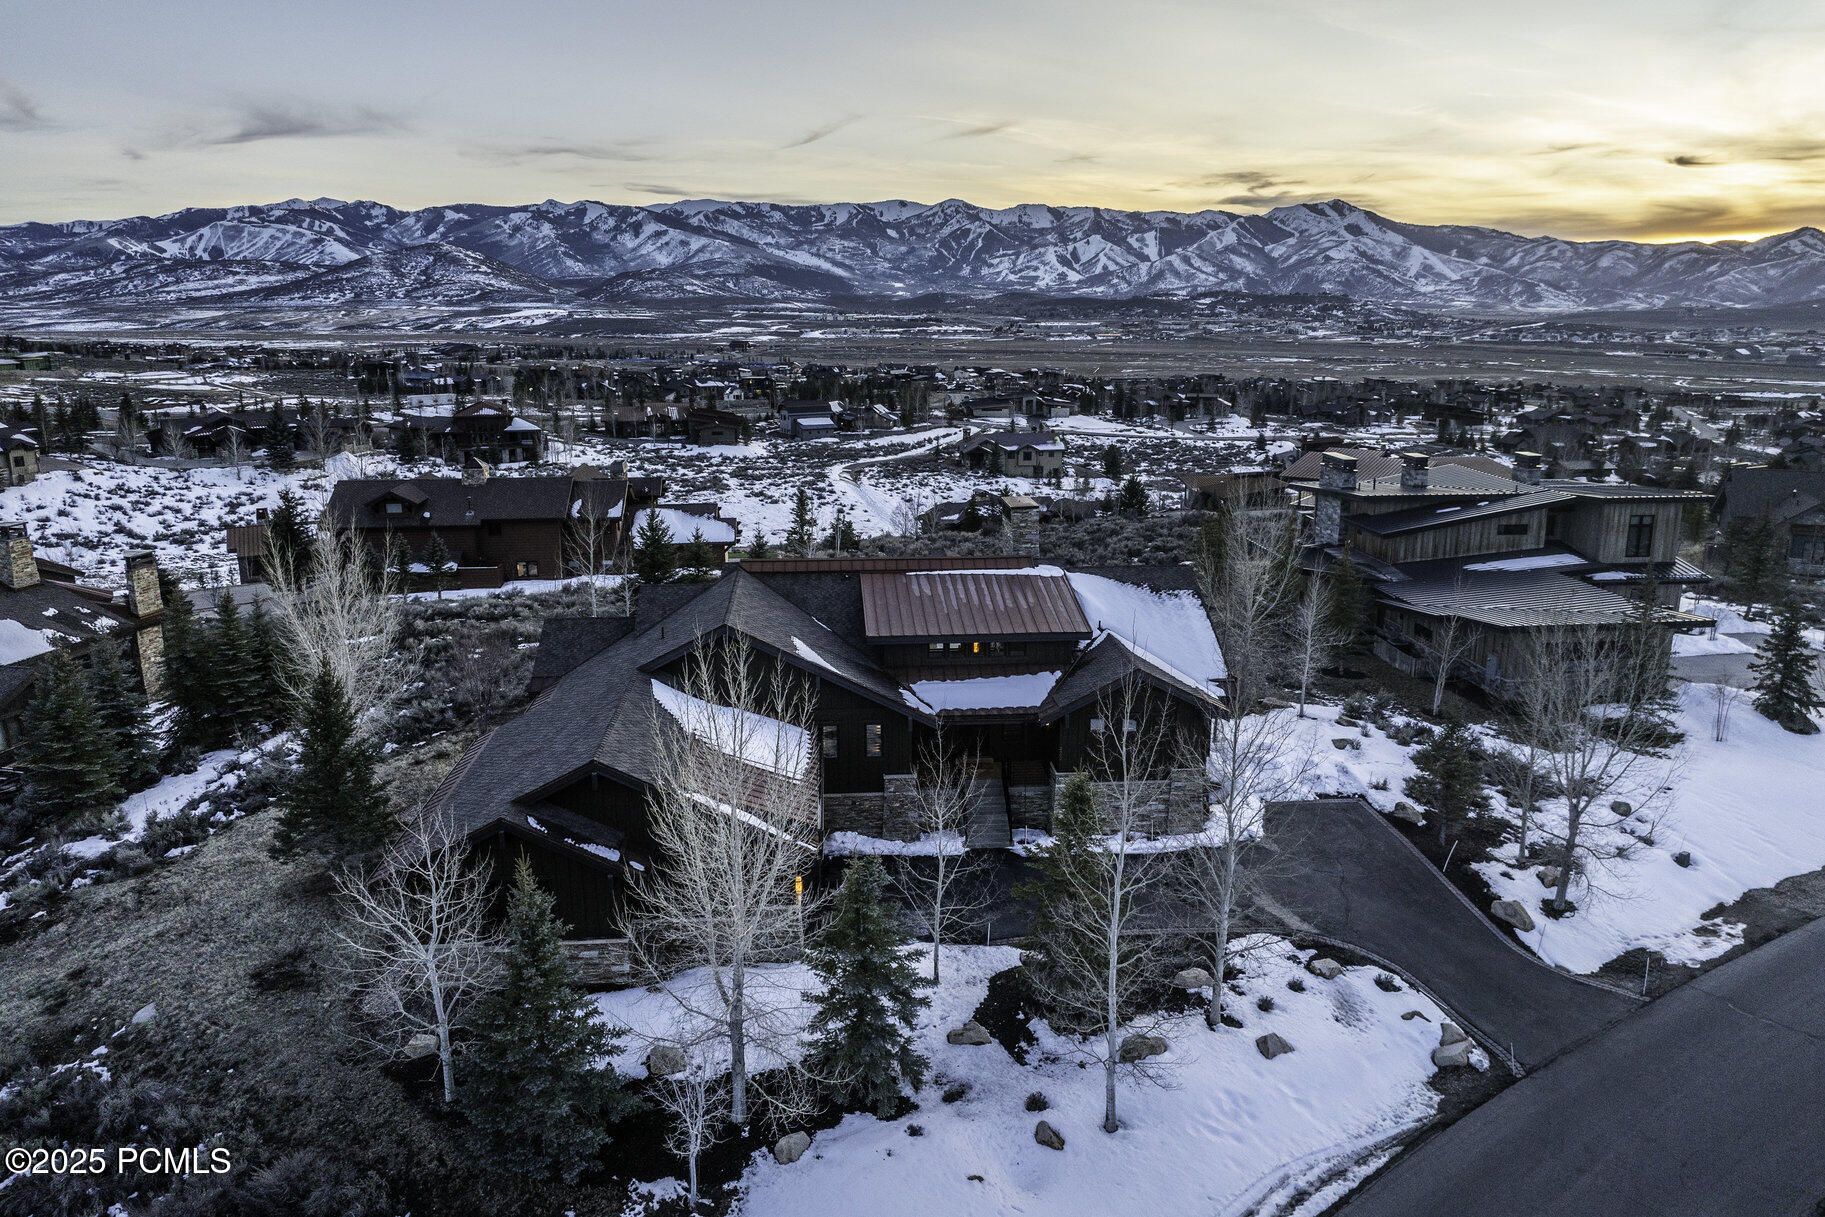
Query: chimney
{"points": [[1415, 471], [1337, 472], [1528, 467], [475, 471], [18, 568], [143, 593]]}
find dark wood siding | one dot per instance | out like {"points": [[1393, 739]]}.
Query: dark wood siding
{"points": [[583, 896], [610, 803]]}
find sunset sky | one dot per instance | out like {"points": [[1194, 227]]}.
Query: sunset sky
{"points": [[1585, 119]]}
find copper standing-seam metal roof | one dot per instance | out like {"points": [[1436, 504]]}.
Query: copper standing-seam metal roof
{"points": [[913, 606]]}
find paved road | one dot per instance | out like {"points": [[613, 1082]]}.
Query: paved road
{"points": [[1354, 879], [1705, 1104]]}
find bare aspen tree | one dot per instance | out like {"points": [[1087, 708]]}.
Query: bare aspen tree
{"points": [[1520, 765], [1097, 963], [944, 786], [315, 426], [416, 942], [697, 1102], [1724, 700], [337, 608], [234, 450], [1314, 639], [586, 534], [732, 823], [1593, 754], [1450, 642]]}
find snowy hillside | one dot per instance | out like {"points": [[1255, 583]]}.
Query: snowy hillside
{"points": [[713, 249]]}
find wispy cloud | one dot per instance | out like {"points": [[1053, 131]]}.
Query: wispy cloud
{"points": [[558, 150], [824, 132], [977, 130], [1079, 158], [1687, 161], [255, 121], [664, 191], [19, 110]]}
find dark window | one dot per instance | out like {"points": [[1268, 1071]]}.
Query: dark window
{"points": [[395, 508], [494, 528], [1511, 530], [1641, 537], [936, 647], [1422, 632], [828, 737], [872, 733]]}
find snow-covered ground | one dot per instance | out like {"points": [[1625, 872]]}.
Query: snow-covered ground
{"points": [[1227, 1129]]}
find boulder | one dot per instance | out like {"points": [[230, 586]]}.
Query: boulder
{"points": [[1344, 720], [1549, 876], [1451, 1056], [1514, 913], [1192, 978], [971, 1032], [1272, 1045], [1404, 810], [1622, 807], [664, 1060], [1410, 1015], [791, 1147], [1325, 968], [420, 1045], [1140, 1047], [1682, 858], [146, 1013], [1048, 1136], [1450, 1033], [1347, 744]]}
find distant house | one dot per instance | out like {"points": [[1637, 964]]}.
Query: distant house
{"points": [[480, 430], [1034, 454], [686, 520], [247, 542], [497, 529], [808, 419], [1499, 557], [1793, 503], [18, 458], [1015, 661], [44, 609], [709, 426]]}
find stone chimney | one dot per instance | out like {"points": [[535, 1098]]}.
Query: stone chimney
{"points": [[1528, 467], [1415, 471], [1337, 472], [1022, 515], [144, 596], [18, 568], [475, 471]]}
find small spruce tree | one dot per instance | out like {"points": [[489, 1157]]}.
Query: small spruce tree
{"points": [[1133, 498], [288, 539], [760, 547], [120, 711], [1064, 870], [334, 801], [1784, 669], [437, 558], [537, 1100], [1449, 781], [655, 557], [1349, 599], [70, 766], [862, 1044], [697, 557], [234, 676], [803, 533], [187, 687]]}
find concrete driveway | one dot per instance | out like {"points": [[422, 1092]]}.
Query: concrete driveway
{"points": [[1349, 876], [1704, 1104]]}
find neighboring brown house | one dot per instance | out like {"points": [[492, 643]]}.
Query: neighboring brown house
{"points": [[247, 542], [479, 430], [1032, 454], [18, 458], [43, 609]]}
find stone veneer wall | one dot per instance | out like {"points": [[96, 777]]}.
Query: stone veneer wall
{"points": [[1179, 803], [1030, 807], [888, 814]]}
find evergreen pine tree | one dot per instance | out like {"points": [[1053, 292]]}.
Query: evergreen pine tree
{"points": [[537, 1102], [334, 801], [1755, 561], [862, 1032], [120, 711], [41, 422], [697, 557], [280, 457], [1064, 872], [288, 538], [1112, 462], [655, 557], [234, 675], [1784, 668], [269, 665], [1449, 783], [1349, 599], [70, 766], [1133, 499], [437, 558], [760, 547], [803, 533], [187, 679]]}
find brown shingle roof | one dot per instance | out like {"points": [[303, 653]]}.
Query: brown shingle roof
{"points": [[915, 606]]}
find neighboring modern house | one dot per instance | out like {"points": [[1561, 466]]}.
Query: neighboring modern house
{"points": [[1457, 548], [44, 609], [808, 419], [1793, 502], [479, 431], [1017, 661], [1033, 454]]}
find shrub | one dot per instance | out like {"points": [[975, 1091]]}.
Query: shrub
{"points": [[1037, 1101]]}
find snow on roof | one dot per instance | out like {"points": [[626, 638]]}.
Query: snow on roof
{"points": [[19, 643], [1169, 629], [681, 524], [1532, 562], [1024, 691], [753, 738]]}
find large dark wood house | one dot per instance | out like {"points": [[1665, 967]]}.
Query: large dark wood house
{"points": [[1498, 557], [1016, 661]]}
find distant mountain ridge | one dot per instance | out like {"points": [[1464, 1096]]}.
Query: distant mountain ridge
{"points": [[326, 250]]}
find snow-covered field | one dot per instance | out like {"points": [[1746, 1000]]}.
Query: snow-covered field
{"points": [[1226, 1130]]}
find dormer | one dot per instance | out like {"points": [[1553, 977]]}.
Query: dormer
{"points": [[399, 501]]}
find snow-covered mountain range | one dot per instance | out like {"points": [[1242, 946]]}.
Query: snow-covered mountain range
{"points": [[329, 251]]}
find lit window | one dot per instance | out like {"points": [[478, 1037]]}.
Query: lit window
{"points": [[1097, 726], [827, 736], [975, 648], [872, 733], [936, 648], [394, 509]]}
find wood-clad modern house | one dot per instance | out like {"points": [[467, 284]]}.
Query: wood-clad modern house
{"points": [[1499, 556], [1015, 660], [43, 608]]}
